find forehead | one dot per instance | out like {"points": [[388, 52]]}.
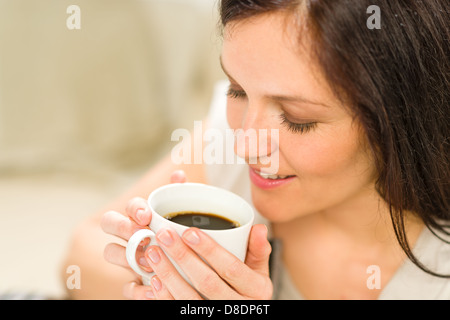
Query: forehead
{"points": [[279, 29], [271, 52]]}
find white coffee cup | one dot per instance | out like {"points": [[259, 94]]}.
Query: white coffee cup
{"points": [[196, 197]]}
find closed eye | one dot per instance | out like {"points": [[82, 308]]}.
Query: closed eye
{"points": [[236, 94], [297, 127]]}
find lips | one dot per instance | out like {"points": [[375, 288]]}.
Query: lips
{"points": [[268, 181]]}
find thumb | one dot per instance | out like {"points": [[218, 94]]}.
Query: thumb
{"points": [[178, 176], [259, 250]]}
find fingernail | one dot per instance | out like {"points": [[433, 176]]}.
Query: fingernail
{"points": [[143, 262], [157, 285], [165, 237], [266, 230], [140, 216], [153, 255], [192, 237]]}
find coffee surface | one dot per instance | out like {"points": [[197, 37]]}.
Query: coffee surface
{"points": [[201, 220]]}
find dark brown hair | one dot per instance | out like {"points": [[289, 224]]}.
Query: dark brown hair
{"points": [[396, 81]]}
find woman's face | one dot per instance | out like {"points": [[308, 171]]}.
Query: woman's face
{"points": [[321, 148]]}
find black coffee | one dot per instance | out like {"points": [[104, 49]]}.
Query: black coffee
{"points": [[200, 220]]}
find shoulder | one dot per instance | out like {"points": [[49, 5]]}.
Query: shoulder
{"points": [[410, 282], [433, 250]]}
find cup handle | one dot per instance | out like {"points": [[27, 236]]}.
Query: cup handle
{"points": [[132, 246]]}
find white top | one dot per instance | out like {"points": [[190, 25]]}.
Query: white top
{"points": [[409, 282]]}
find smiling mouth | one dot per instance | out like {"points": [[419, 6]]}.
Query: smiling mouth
{"points": [[272, 176], [268, 181]]}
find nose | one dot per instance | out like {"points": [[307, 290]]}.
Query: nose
{"points": [[257, 141]]}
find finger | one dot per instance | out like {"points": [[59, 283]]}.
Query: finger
{"points": [[115, 254], [203, 278], [235, 272], [118, 225], [136, 291], [178, 176], [169, 276], [259, 250], [161, 292], [137, 210]]}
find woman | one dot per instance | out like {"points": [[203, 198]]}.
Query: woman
{"points": [[360, 203]]}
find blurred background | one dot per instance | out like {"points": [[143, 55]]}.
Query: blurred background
{"points": [[84, 112]]}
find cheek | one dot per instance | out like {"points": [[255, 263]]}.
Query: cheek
{"points": [[324, 157], [328, 154]]}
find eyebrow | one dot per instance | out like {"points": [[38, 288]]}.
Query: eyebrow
{"points": [[279, 98]]}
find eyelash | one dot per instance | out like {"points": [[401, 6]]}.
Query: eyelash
{"points": [[291, 126], [236, 94], [297, 127]]}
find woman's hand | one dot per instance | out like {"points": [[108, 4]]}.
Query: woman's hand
{"points": [[224, 277], [137, 216]]}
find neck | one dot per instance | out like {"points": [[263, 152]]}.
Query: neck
{"points": [[327, 253]]}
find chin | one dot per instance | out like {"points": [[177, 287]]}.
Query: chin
{"points": [[273, 207]]}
